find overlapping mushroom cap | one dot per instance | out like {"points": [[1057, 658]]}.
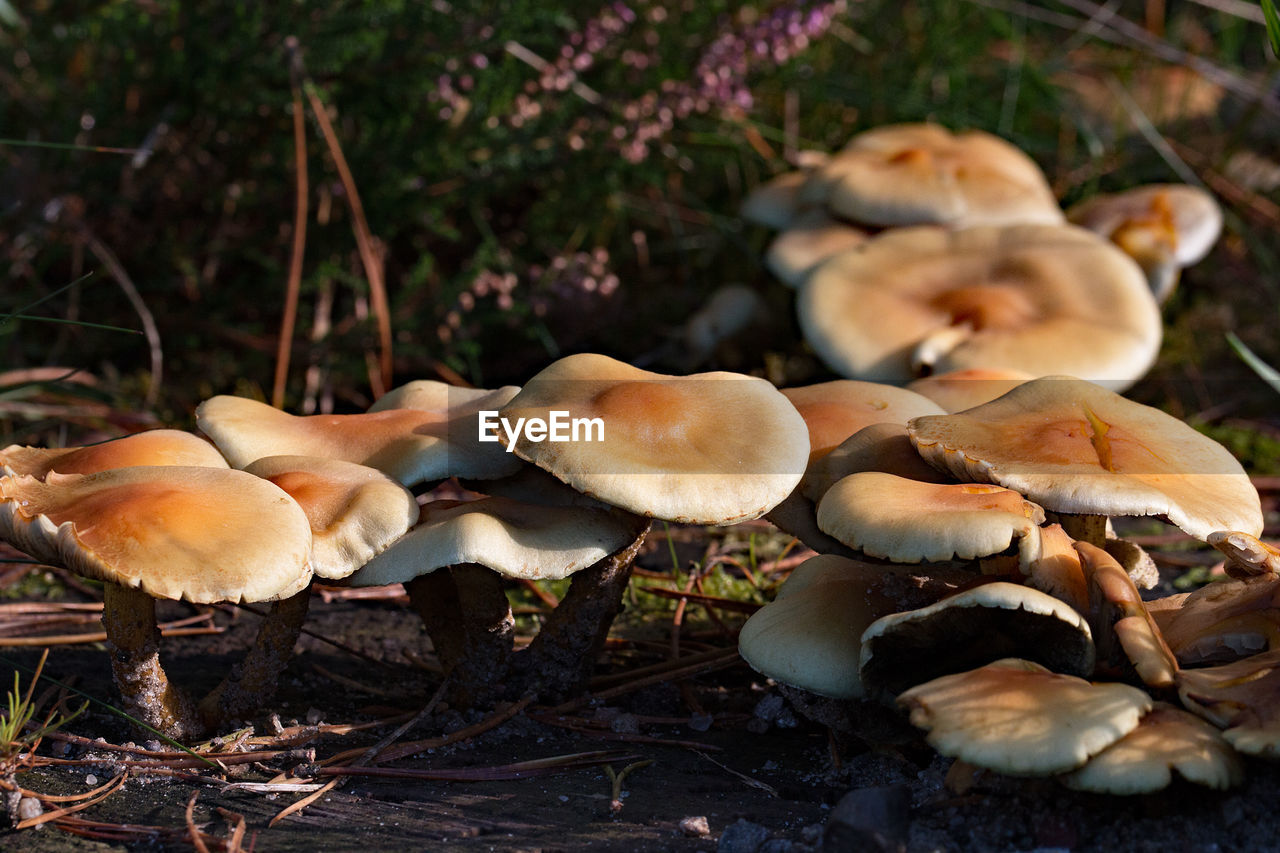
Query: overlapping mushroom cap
{"points": [[422, 431], [1017, 717], [355, 511], [957, 390], [912, 174], [833, 411], [1074, 447], [1036, 298], [201, 534], [1186, 216], [711, 448], [153, 447], [811, 238], [512, 538]]}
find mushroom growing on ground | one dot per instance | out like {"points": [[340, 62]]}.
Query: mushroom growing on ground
{"points": [[452, 564], [1036, 298], [1086, 453], [168, 532], [915, 174], [1017, 717], [810, 239], [421, 432], [1164, 227], [957, 390], [153, 447], [1243, 697]]}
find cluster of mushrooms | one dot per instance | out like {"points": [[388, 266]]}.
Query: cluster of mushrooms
{"points": [[967, 569], [916, 250]]}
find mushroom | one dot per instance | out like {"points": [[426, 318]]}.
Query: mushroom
{"points": [[957, 390], [465, 609], [971, 628], [811, 238], [1086, 453], [421, 432], [906, 521], [1247, 555], [170, 532], [915, 174], [153, 447], [1243, 697], [354, 512], [810, 633], [711, 448], [1167, 739], [1036, 298], [1221, 621], [1120, 618], [776, 203], [1164, 227], [1017, 717]]}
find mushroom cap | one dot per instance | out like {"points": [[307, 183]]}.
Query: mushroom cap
{"points": [[1243, 697], [1186, 216], [775, 203], [1222, 621], [1036, 298], [355, 511], [810, 634], [833, 411], [1119, 617], [811, 238], [1074, 447], [915, 174], [711, 448], [878, 447], [515, 539], [1143, 761], [420, 432], [1247, 555], [1057, 570], [1017, 717], [957, 390], [907, 521], [174, 532], [153, 447], [971, 628]]}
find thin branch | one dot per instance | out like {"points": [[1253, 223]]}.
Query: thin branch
{"points": [[285, 344]]}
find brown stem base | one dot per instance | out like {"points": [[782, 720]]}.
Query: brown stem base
{"points": [[559, 661], [133, 641], [253, 680]]}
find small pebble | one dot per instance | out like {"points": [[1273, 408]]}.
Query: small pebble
{"points": [[701, 722], [153, 746], [314, 716], [29, 807], [742, 836], [695, 827], [769, 708], [91, 779]]}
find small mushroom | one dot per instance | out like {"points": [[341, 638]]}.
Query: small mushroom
{"points": [[1247, 555], [958, 390], [1222, 621], [1017, 717], [153, 447], [811, 238], [1166, 740], [1242, 697], [1125, 632]]}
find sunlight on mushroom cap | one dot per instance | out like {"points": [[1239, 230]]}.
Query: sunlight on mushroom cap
{"points": [[153, 447]]}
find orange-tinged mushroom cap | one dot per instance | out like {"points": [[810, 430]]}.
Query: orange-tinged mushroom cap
{"points": [[153, 447], [200, 534]]}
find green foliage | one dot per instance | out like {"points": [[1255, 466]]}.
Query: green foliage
{"points": [[20, 710], [1273, 25]]}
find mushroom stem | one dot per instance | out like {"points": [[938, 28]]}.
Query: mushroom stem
{"points": [[1083, 528], [253, 680], [133, 641], [560, 659], [469, 620]]}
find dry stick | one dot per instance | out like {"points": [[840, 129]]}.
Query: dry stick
{"points": [[238, 827], [193, 833], [368, 755], [285, 344], [364, 237], [149, 327], [97, 637]]}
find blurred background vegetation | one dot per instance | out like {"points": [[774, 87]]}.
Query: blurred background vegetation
{"points": [[538, 179]]}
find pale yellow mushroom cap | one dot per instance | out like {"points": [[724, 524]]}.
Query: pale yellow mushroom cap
{"points": [[908, 521], [515, 539], [1222, 621], [915, 174], [153, 447], [1243, 697], [1016, 717], [1166, 740], [809, 240], [355, 511], [421, 432], [204, 535], [833, 411], [1187, 217], [711, 448], [1074, 447], [957, 390], [1041, 299]]}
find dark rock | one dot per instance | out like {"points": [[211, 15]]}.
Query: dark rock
{"points": [[742, 836], [869, 819]]}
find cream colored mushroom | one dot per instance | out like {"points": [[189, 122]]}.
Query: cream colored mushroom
{"points": [[153, 447], [1036, 298], [1076, 448], [1016, 717], [913, 174], [957, 390], [811, 238]]}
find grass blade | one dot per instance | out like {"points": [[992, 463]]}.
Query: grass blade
{"points": [[1266, 372]]}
